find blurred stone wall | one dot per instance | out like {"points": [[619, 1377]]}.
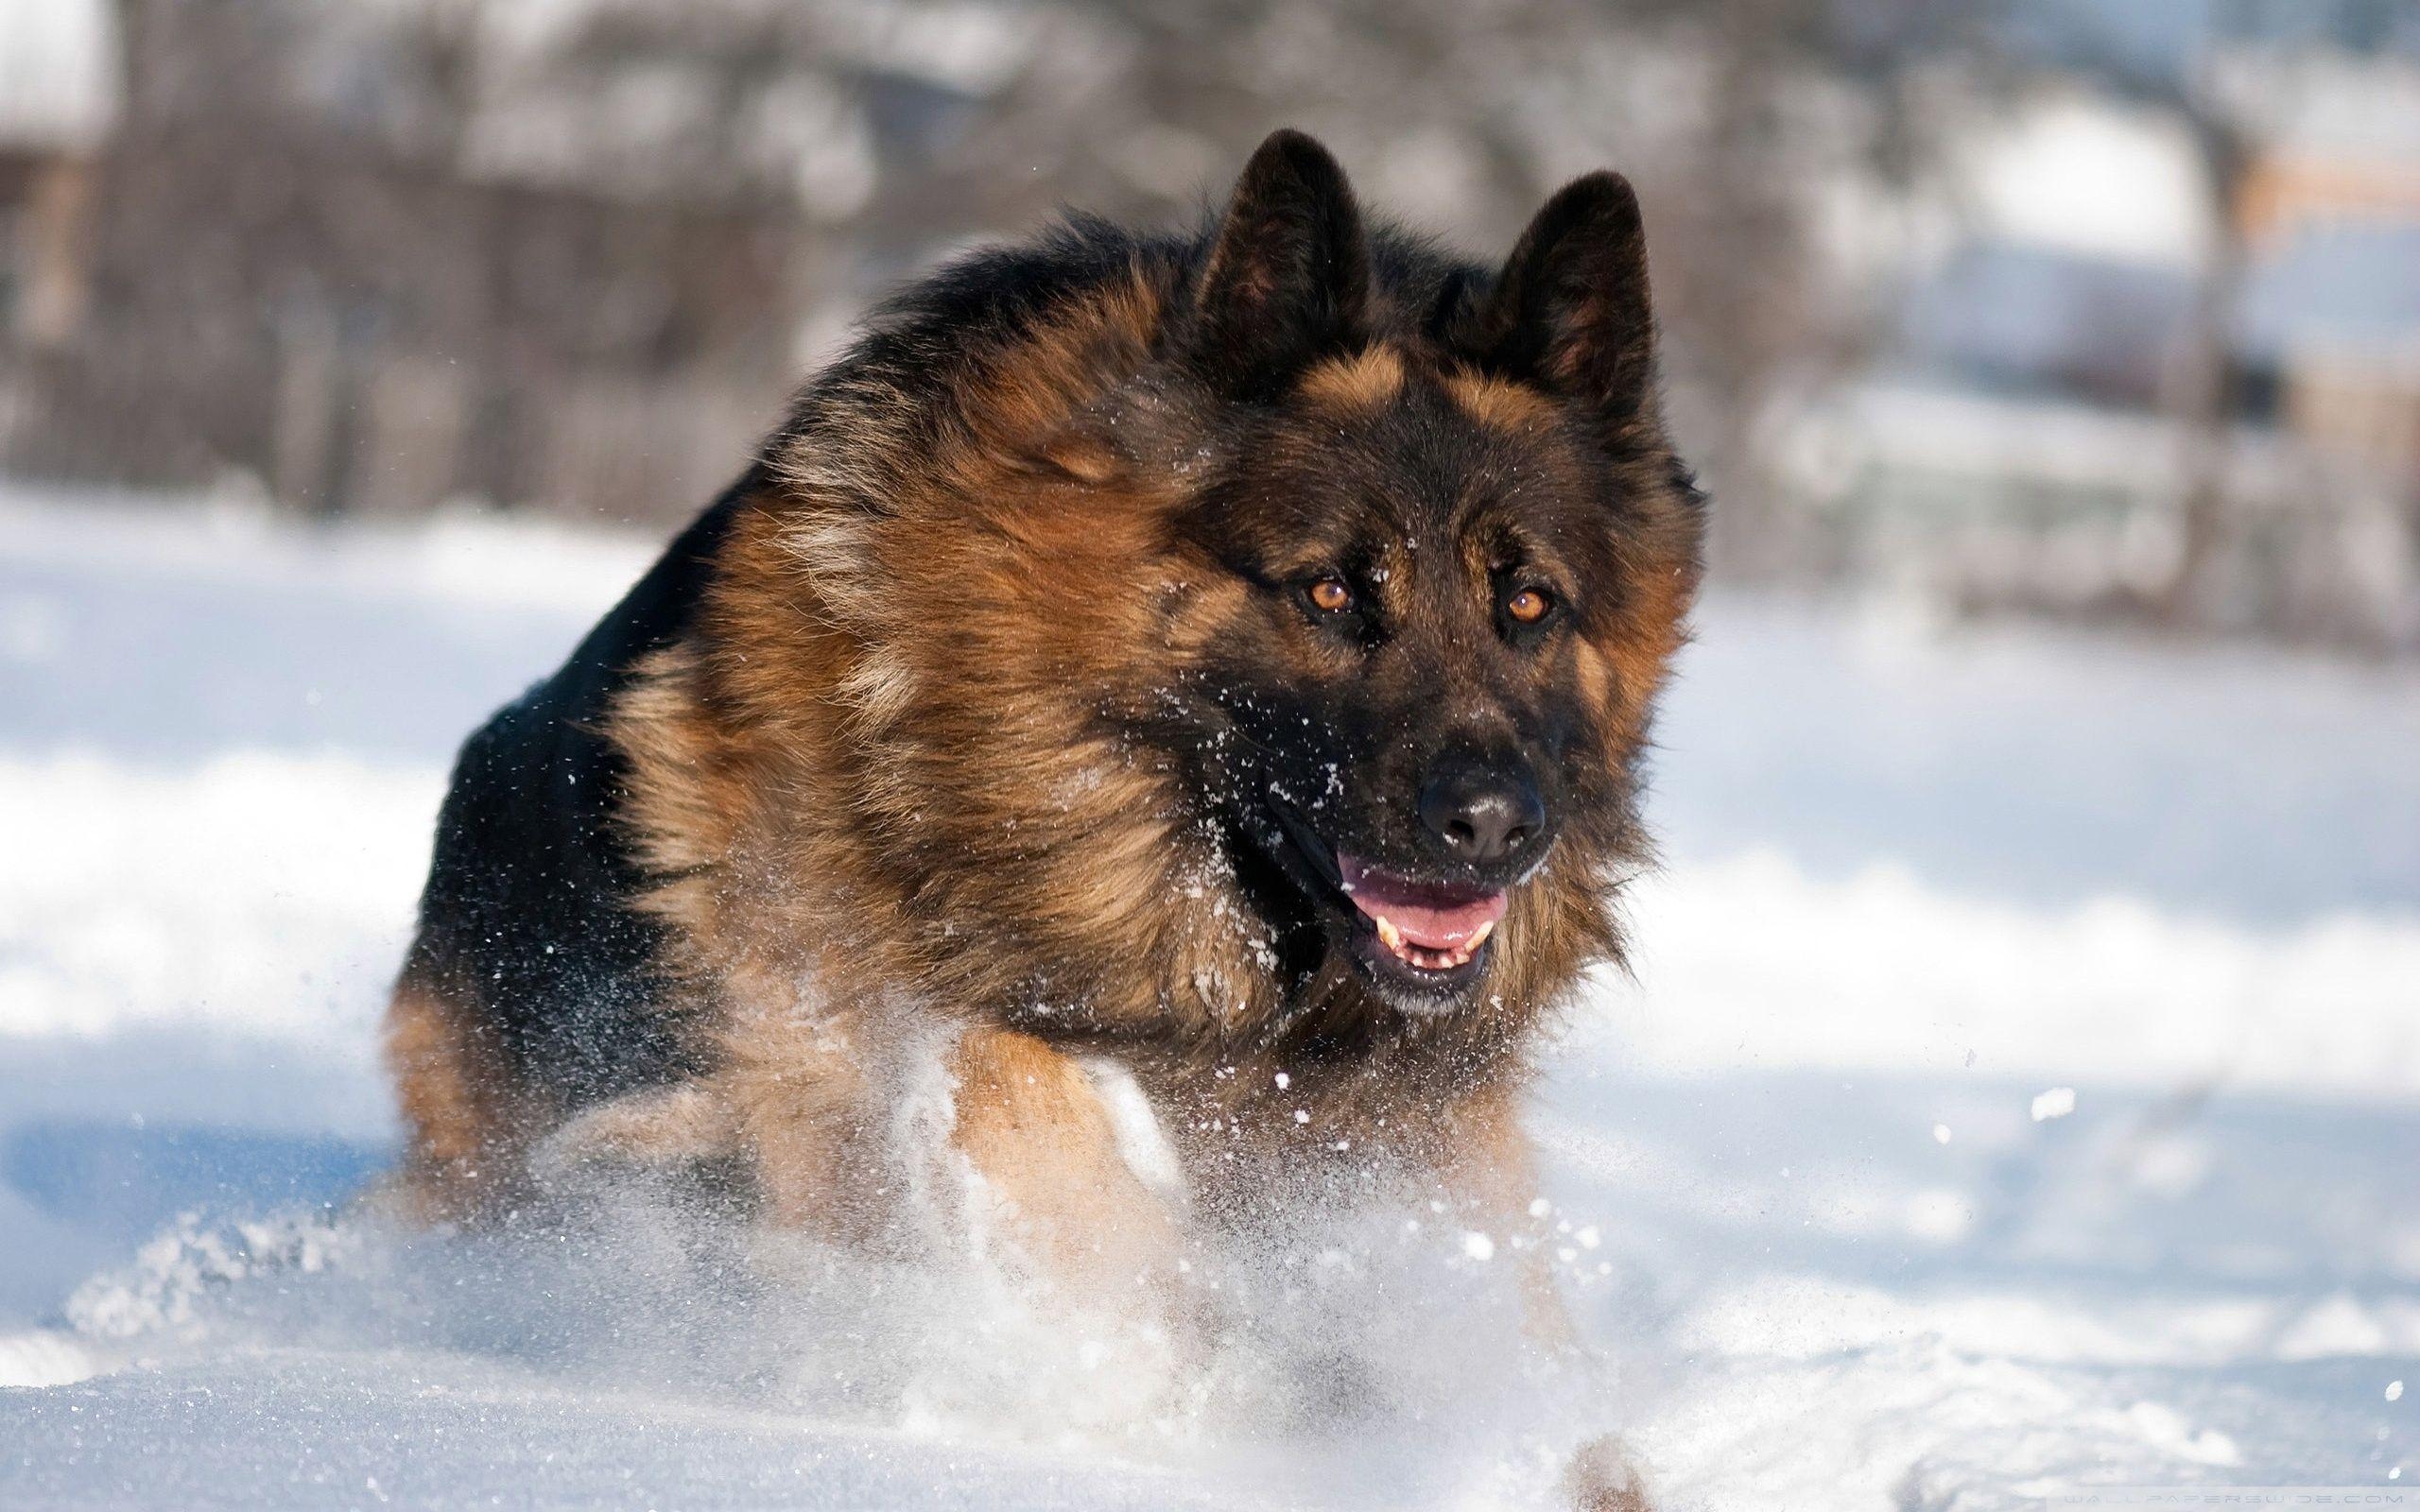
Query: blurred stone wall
{"points": [[377, 256]]}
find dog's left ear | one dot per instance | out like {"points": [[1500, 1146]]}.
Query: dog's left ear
{"points": [[1570, 309], [1288, 279]]}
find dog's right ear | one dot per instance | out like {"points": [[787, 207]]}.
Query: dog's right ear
{"points": [[1288, 279]]}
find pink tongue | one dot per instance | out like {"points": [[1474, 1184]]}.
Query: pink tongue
{"points": [[1432, 917]]}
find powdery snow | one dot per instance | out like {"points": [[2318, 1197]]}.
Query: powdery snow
{"points": [[2017, 1088]]}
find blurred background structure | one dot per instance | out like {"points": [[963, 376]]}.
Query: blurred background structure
{"points": [[2097, 308]]}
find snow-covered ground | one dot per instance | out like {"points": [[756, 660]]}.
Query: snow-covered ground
{"points": [[2019, 1090]]}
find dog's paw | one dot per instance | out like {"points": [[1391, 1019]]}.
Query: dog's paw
{"points": [[1600, 1478], [675, 1126]]}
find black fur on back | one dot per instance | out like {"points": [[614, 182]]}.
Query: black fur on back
{"points": [[925, 335], [530, 886]]}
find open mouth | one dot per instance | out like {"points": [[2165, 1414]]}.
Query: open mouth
{"points": [[1424, 941], [1433, 927]]}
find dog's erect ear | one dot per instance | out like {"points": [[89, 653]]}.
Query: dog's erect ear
{"points": [[1570, 309], [1288, 276]]}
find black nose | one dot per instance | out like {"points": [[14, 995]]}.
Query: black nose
{"points": [[1481, 813]]}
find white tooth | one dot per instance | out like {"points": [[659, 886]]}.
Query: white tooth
{"points": [[1387, 933], [1478, 936]]}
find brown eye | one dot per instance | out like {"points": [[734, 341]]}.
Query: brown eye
{"points": [[1528, 606], [1331, 594]]}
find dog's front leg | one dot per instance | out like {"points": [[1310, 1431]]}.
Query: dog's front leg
{"points": [[1489, 1173], [1491, 1170], [1055, 1179]]}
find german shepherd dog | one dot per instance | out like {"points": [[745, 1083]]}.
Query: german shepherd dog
{"points": [[1186, 692]]}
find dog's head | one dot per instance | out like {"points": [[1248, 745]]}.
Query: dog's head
{"points": [[1452, 549], [1226, 626]]}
